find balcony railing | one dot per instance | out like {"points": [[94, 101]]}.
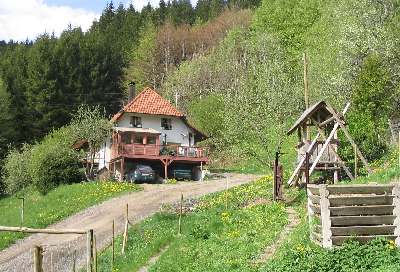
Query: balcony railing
{"points": [[158, 150]]}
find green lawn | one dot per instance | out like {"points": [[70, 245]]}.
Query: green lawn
{"points": [[299, 254], [226, 232], [43, 210]]}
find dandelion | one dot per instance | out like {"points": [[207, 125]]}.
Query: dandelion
{"points": [[391, 244], [225, 216]]}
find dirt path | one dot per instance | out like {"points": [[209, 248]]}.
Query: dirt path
{"points": [[61, 249], [294, 220], [152, 260]]}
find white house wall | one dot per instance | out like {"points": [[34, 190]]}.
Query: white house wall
{"points": [[178, 134], [105, 153]]}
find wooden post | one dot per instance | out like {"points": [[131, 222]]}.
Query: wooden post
{"points": [[22, 210], [399, 148], [180, 216], [74, 262], [94, 253], [126, 222], [89, 252], [306, 95], [201, 171], [307, 169], [125, 236], [325, 217], [113, 245], [121, 178], [37, 259], [396, 211], [355, 163], [165, 169], [335, 149]]}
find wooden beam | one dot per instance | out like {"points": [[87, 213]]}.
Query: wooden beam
{"points": [[47, 231], [349, 138], [363, 220], [296, 171], [339, 159], [327, 141]]}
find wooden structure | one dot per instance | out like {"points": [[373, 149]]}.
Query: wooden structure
{"points": [[362, 212], [144, 144], [278, 178], [323, 149]]}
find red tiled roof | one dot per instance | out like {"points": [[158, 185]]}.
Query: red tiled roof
{"points": [[149, 102]]}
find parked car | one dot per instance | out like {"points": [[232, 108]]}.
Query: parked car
{"points": [[141, 173]]}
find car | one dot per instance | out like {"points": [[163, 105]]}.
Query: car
{"points": [[141, 173]]}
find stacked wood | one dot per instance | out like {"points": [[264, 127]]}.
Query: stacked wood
{"points": [[363, 212]]}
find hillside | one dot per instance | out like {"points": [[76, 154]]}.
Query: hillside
{"points": [[44, 82], [247, 92]]}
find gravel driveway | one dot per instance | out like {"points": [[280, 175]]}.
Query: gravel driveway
{"points": [[61, 250]]}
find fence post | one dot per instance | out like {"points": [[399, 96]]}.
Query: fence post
{"points": [[113, 244], [22, 210], [396, 211], [37, 259], [307, 169], [89, 250], [325, 217], [94, 253], [180, 216]]}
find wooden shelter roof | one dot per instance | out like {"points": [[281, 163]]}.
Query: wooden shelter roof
{"points": [[319, 108]]}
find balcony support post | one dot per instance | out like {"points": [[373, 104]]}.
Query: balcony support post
{"points": [[121, 178]]}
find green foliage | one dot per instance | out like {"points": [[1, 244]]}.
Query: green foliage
{"points": [[213, 238], [208, 113], [53, 162], [15, 170], [142, 59], [372, 108], [90, 124], [44, 210], [300, 254], [352, 49]]}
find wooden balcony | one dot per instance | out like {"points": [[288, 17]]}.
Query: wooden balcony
{"points": [[159, 152]]}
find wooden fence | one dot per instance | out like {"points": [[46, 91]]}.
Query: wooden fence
{"points": [[362, 212]]}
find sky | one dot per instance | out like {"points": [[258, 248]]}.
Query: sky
{"points": [[26, 19]]}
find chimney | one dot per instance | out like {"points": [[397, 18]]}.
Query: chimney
{"points": [[131, 91]]}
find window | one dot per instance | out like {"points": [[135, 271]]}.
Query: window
{"points": [[138, 139], [166, 123], [151, 139], [126, 138], [136, 121]]}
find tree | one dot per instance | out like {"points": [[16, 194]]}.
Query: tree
{"points": [[142, 67], [89, 124]]}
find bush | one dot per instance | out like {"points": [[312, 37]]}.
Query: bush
{"points": [[15, 171], [54, 162]]}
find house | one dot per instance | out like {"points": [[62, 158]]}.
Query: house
{"points": [[150, 131]]}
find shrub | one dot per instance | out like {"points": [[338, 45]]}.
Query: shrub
{"points": [[54, 162], [15, 171]]}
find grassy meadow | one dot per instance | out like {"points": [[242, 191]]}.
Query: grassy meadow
{"points": [[43, 210], [226, 232]]}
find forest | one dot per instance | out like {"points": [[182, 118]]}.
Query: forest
{"points": [[43, 82], [235, 66]]}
